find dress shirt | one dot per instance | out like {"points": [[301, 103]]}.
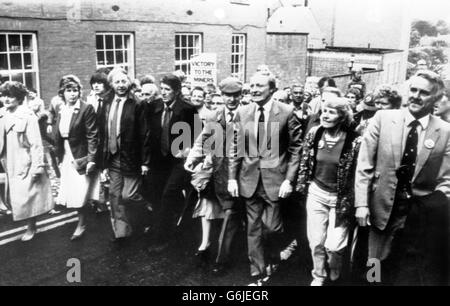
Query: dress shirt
{"points": [[119, 114], [267, 107], [66, 116], [421, 130]]}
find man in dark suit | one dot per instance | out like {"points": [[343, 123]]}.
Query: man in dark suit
{"points": [[126, 151], [221, 121], [172, 124], [264, 160]]}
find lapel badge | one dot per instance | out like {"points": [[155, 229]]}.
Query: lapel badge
{"points": [[429, 144], [321, 144]]}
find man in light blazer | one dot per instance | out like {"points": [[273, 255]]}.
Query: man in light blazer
{"points": [[384, 193], [264, 159]]}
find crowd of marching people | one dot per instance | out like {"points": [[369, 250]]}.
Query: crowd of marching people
{"points": [[350, 176]]}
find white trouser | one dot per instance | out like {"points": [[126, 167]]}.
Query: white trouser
{"points": [[323, 236]]}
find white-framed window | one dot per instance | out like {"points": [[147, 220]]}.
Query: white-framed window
{"points": [[115, 50], [187, 45], [238, 49], [19, 58]]}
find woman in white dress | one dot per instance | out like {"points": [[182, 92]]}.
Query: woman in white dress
{"points": [[76, 142], [22, 156]]}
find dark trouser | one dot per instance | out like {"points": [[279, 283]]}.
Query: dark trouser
{"points": [[414, 249], [168, 184], [263, 230], [230, 226], [123, 191]]}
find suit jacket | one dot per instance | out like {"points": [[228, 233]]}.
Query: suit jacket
{"points": [[278, 160], [133, 137], [181, 113], [215, 138], [83, 135], [380, 156], [100, 114]]}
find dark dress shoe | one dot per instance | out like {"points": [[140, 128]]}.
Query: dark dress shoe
{"points": [[202, 257], [219, 269]]}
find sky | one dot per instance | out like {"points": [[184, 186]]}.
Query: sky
{"points": [[431, 10]]}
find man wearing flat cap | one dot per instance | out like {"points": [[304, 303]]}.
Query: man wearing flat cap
{"points": [[220, 121]]}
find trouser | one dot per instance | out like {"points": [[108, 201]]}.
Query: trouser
{"points": [[123, 192], [326, 240], [168, 184], [263, 230], [413, 248], [230, 227]]}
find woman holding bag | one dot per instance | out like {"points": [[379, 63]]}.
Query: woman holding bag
{"points": [[76, 142], [22, 157]]}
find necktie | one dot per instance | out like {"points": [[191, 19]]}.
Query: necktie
{"points": [[410, 153], [230, 116], [165, 131], [100, 105], [261, 128], [112, 141]]}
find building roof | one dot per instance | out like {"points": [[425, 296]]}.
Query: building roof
{"points": [[359, 50], [291, 20]]}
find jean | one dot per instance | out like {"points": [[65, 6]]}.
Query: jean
{"points": [[326, 241]]}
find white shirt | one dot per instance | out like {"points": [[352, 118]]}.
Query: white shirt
{"points": [[67, 112], [119, 113], [230, 118], [164, 111], [421, 130], [267, 107]]}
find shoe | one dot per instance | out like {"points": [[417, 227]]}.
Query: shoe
{"points": [[334, 275], [271, 269], [158, 248], [259, 281], [202, 256], [28, 236], [316, 283], [219, 269], [78, 234]]}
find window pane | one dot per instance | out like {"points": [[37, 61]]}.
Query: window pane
{"points": [[119, 42], [109, 57], [17, 77], [177, 54], [28, 61], [183, 40], [109, 42], [99, 42], [16, 61], [14, 42], [184, 54], [100, 58], [3, 62], [119, 57], [126, 57], [190, 41], [27, 43], [30, 80], [177, 41], [2, 43]]}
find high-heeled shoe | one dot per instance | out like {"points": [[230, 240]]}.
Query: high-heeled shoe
{"points": [[78, 234], [202, 256], [28, 236]]}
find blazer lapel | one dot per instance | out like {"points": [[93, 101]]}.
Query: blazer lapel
{"points": [[397, 139], [75, 115], [432, 133]]}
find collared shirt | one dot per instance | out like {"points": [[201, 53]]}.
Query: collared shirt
{"points": [[164, 111], [421, 129], [119, 112], [94, 100], [267, 107], [230, 114], [67, 112]]}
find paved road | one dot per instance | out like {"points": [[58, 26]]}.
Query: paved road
{"points": [[43, 260]]}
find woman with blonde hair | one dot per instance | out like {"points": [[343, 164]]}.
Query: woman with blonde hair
{"points": [[76, 143], [326, 177], [22, 157]]}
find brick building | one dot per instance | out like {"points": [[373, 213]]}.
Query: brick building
{"points": [[40, 41]]}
